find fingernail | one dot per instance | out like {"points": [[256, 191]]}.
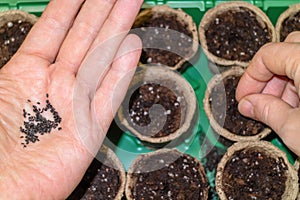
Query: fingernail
{"points": [[246, 108]]}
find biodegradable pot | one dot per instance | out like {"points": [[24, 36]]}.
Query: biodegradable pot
{"points": [[297, 163], [171, 39], [220, 106], [288, 22], [93, 183], [8, 21], [162, 119], [242, 54], [168, 173], [264, 160]]}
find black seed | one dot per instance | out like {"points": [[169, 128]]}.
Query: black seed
{"points": [[24, 113]]}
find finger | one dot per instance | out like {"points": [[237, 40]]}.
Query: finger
{"points": [[87, 99], [266, 108], [114, 86], [289, 133], [120, 20], [83, 32], [264, 66], [46, 36], [276, 86], [277, 114], [293, 37], [97, 63], [290, 95], [93, 69]]}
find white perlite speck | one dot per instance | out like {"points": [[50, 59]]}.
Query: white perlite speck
{"points": [[9, 24]]}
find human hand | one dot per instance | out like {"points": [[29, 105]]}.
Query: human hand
{"points": [[68, 35], [269, 90]]}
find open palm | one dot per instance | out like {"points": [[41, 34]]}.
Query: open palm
{"points": [[55, 60]]}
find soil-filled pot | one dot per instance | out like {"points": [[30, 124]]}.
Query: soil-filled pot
{"points": [[256, 170], [232, 32], [104, 179], [288, 22], [221, 108], [14, 27], [166, 174], [169, 36], [159, 107], [298, 169]]}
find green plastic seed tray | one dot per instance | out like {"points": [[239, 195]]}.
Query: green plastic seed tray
{"points": [[127, 146]]}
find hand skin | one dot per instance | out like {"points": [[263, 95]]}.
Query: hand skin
{"points": [[270, 88], [48, 62]]}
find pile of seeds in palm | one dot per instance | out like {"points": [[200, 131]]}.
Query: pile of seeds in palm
{"points": [[38, 123]]}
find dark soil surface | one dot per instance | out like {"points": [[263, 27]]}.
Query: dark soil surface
{"points": [[289, 25], [161, 45], [163, 121], [99, 182], [174, 178], [12, 36], [234, 121], [252, 174], [236, 35]]}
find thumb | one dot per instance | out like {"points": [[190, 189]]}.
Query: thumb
{"points": [[277, 114], [266, 108]]}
